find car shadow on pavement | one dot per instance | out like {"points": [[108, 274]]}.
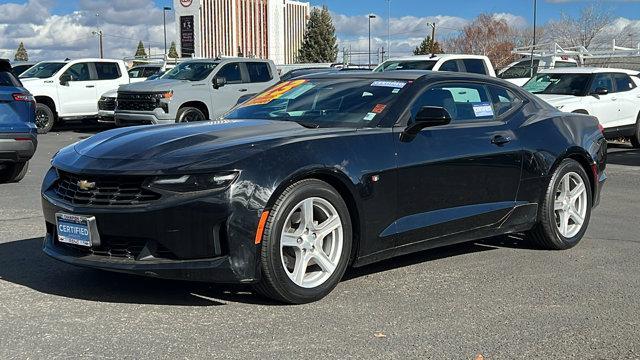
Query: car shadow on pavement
{"points": [[87, 126], [23, 263], [630, 157]]}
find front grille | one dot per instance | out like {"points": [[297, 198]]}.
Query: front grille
{"points": [[137, 101], [106, 190], [107, 104]]}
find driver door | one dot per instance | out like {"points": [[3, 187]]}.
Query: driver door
{"points": [[462, 176], [226, 97], [604, 107], [78, 96]]}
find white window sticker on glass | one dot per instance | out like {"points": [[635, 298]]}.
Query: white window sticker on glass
{"points": [[483, 109], [369, 116], [391, 84]]}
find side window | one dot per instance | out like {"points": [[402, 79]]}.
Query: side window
{"points": [[475, 66], [231, 72], [623, 82], [79, 72], [503, 100], [258, 72], [148, 71], [7, 79], [107, 70], [450, 65], [463, 101], [602, 81]]}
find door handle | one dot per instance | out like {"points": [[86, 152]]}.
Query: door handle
{"points": [[90, 86], [500, 140], [243, 90]]}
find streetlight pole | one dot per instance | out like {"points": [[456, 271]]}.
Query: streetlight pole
{"points": [[371, 16], [164, 25], [533, 45], [99, 33], [388, 29]]}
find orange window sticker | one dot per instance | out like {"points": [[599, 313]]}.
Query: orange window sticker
{"points": [[379, 108], [275, 92]]}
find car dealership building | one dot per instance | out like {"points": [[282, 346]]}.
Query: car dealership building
{"points": [[270, 29]]}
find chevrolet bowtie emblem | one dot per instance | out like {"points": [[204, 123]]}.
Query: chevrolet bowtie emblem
{"points": [[86, 185]]}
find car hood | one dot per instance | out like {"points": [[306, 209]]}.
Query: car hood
{"points": [[155, 85], [557, 100], [169, 148]]}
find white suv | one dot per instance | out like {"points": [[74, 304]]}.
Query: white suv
{"points": [[477, 64], [71, 89], [612, 95]]}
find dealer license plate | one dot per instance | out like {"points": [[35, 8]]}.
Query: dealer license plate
{"points": [[75, 229]]}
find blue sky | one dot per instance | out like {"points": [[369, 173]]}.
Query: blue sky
{"points": [[462, 8]]}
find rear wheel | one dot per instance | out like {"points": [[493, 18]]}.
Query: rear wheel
{"points": [[635, 139], [566, 208], [45, 118], [306, 243], [13, 172], [190, 114]]}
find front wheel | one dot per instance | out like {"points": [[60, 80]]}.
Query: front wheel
{"points": [[306, 244], [635, 139], [190, 114], [45, 118], [566, 208]]}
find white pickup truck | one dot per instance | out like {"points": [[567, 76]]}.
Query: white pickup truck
{"points": [[71, 88], [476, 64]]}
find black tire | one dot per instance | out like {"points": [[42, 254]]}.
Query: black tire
{"points": [[190, 114], [635, 139], [546, 233], [45, 118], [275, 282], [13, 172]]}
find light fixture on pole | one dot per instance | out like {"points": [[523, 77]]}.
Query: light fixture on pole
{"points": [[164, 24], [371, 16]]}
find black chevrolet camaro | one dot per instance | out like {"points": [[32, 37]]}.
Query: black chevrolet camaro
{"points": [[325, 172]]}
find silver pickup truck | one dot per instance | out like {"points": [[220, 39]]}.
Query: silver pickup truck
{"points": [[195, 90]]}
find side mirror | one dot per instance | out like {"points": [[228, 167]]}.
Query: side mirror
{"points": [[428, 116], [65, 78], [219, 82], [601, 91]]}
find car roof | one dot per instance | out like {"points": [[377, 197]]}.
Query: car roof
{"points": [[436, 57], [409, 75], [586, 70]]}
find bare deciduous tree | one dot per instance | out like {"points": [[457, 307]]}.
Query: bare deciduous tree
{"points": [[581, 30]]}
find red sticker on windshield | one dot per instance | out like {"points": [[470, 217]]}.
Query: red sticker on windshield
{"points": [[379, 108]]}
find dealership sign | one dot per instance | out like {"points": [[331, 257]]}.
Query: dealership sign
{"points": [[186, 3], [187, 41]]}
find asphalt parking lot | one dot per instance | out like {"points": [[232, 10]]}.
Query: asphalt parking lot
{"points": [[500, 297]]}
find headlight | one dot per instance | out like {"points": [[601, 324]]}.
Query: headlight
{"points": [[195, 182], [166, 96]]}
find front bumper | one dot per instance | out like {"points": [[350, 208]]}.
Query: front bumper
{"points": [[174, 237], [156, 117], [106, 116], [17, 147]]}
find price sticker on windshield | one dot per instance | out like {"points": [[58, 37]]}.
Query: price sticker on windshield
{"points": [[275, 93]]}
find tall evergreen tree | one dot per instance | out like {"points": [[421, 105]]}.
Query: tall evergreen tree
{"points": [[21, 53], [319, 43], [141, 51], [428, 46], [173, 53]]}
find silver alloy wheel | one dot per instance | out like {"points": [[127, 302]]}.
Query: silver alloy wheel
{"points": [[311, 242], [570, 205], [191, 116]]}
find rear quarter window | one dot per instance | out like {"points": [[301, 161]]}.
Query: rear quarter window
{"points": [[107, 70], [475, 66], [7, 79], [259, 72]]}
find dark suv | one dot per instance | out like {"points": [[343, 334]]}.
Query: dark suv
{"points": [[18, 132]]}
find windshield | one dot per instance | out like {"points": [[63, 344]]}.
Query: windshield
{"points": [[43, 70], [390, 65], [192, 71], [323, 102], [558, 84]]}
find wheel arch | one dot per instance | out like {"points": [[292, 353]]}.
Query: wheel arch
{"points": [[46, 100], [198, 105], [583, 158], [345, 188]]}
